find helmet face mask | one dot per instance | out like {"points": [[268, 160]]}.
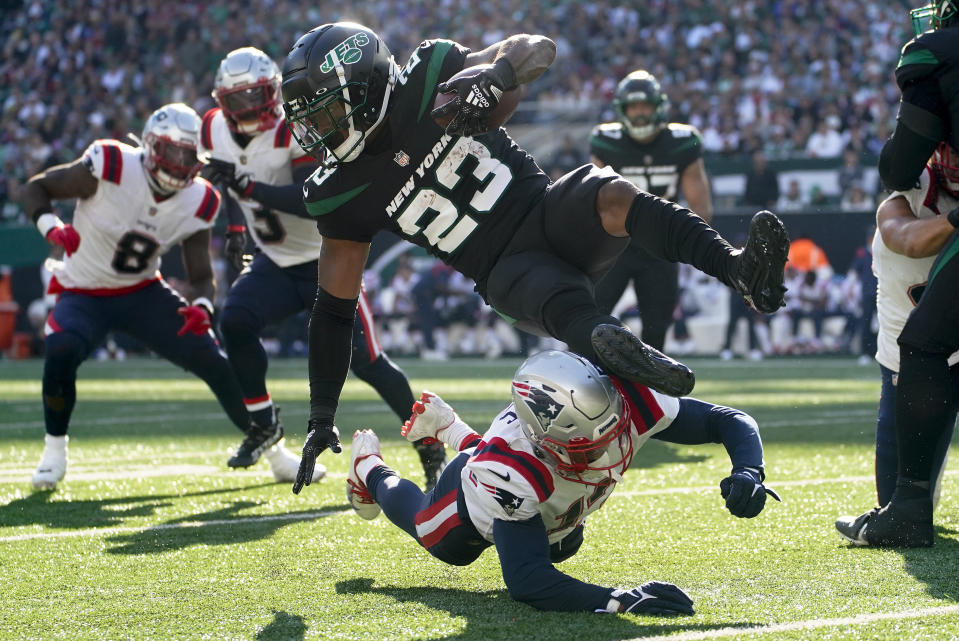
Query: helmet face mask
{"points": [[170, 139], [337, 83], [641, 87], [247, 90], [945, 165], [574, 416], [938, 14]]}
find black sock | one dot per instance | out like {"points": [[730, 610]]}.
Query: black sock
{"points": [[923, 410], [571, 316], [675, 233]]}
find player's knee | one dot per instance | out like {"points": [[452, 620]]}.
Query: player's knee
{"points": [[237, 323], [65, 347], [613, 202]]}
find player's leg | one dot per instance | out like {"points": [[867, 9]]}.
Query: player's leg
{"points": [[74, 327], [371, 364], [887, 457], [657, 293], [432, 518], [265, 293], [676, 234], [611, 287], [924, 408]]}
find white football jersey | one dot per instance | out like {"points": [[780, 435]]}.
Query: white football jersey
{"points": [[505, 480], [901, 279], [124, 229], [269, 158]]}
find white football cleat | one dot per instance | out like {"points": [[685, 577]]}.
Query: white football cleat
{"points": [[285, 464], [53, 464], [365, 444], [430, 416]]}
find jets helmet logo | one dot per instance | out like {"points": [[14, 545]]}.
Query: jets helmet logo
{"points": [[539, 400]]}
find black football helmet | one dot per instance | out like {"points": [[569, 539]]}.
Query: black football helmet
{"points": [[938, 14], [337, 82], [641, 86]]}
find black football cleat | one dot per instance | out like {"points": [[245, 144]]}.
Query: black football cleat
{"points": [[259, 438], [904, 523], [433, 458], [623, 354], [760, 271]]}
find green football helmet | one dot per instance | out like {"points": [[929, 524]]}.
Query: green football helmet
{"points": [[938, 14]]}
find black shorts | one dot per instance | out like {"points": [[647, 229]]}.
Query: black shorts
{"points": [[561, 245]]}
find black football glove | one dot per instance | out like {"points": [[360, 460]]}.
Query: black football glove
{"points": [[653, 597], [745, 493], [477, 95], [319, 438], [233, 249], [221, 172]]}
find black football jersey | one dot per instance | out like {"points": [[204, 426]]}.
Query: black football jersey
{"points": [[461, 199], [936, 54], [654, 166]]}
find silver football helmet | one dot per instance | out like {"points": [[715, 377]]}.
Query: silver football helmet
{"points": [[247, 90], [575, 416], [170, 138]]}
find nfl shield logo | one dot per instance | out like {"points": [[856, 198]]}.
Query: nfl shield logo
{"points": [[152, 211], [401, 158]]}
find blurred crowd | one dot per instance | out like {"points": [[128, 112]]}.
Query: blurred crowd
{"points": [[791, 77]]}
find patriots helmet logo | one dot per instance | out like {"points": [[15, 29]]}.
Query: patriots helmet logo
{"points": [[539, 400]]}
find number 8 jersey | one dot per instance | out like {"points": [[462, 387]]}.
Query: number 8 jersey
{"points": [[462, 199], [123, 228]]}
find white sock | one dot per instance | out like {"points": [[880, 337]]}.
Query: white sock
{"points": [[456, 433], [56, 442], [365, 466]]}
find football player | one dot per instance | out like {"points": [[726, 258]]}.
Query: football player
{"points": [[261, 175], [912, 227], [549, 459], [663, 158], [133, 205], [480, 204], [928, 77]]}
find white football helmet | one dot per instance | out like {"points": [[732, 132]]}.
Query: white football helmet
{"points": [[247, 89], [575, 416], [945, 166], [170, 139]]}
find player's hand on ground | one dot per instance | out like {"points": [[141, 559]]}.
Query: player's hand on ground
{"points": [[653, 597], [196, 319], [65, 236], [319, 438], [745, 493]]}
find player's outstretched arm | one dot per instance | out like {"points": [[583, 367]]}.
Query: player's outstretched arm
{"points": [[914, 237], [340, 275], [530, 578]]}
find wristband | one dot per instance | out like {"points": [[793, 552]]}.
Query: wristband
{"points": [[205, 303], [239, 229], [48, 221], [503, 72], [953, 217]]}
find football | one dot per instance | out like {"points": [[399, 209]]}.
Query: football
{"points": [[507, 102]]}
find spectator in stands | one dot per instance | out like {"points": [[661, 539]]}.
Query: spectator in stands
{"points": [[851, 171], [826, 141], [856, 199], [566, 158], [793, 199], [762, 183]]}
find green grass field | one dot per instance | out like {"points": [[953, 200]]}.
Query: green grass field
{"points": [[151, 536]]}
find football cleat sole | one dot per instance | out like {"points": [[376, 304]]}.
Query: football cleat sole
{"points": [[623, 354], [762, 277]]}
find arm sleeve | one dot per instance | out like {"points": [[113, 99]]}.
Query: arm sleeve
{"points": [[919, 129], [699, 422], [330, 338], [524, 551], [286, 198]]}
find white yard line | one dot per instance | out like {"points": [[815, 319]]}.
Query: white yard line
{"points": [[809, 624], [307, 516]]}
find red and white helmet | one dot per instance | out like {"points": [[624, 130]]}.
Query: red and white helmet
{"points": [[170, 139], [575, 416], [247, 89], [945, 164]]}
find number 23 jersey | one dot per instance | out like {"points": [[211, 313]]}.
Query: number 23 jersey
{"points": [[461, 199], [123, 228]]}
